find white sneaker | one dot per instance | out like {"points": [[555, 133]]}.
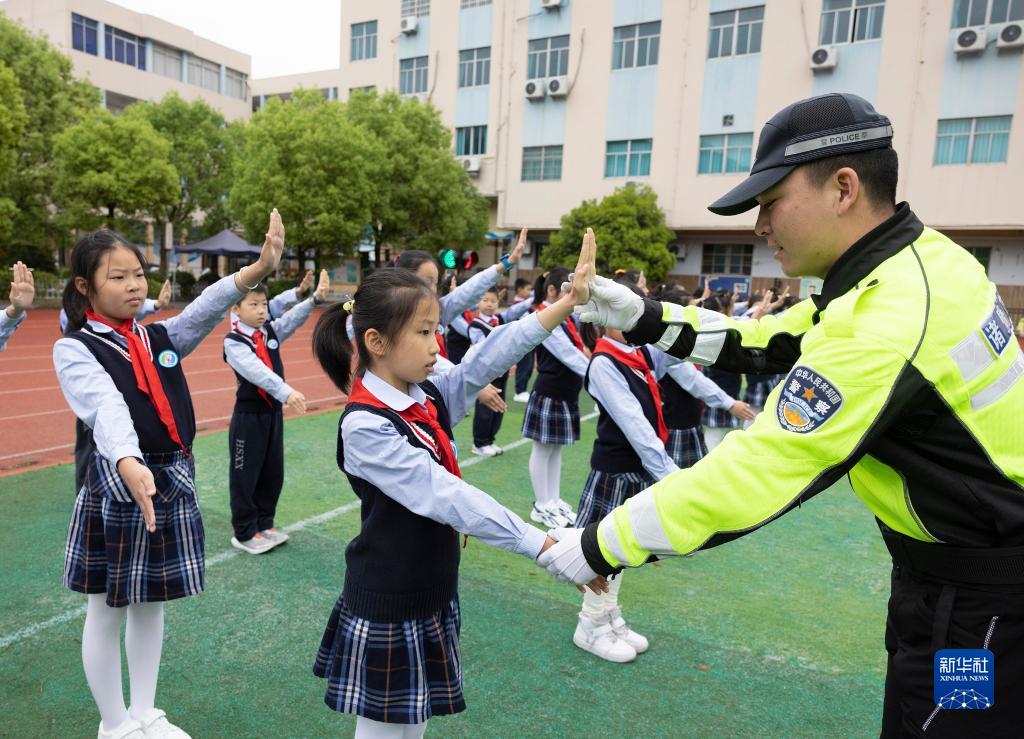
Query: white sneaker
{"points": [[497, 449], [485, 451], [548, 517], [600, 640], [256, 545], [566, 511], [130, 729], [626, 634], [521, 397], [276, 537], [156, 726]]}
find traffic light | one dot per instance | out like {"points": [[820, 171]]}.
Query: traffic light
{"points": [[468, 259], [458, 260]]}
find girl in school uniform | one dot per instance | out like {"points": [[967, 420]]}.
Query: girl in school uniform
{"points": [[23, 291], [552, 417], [390, 652], [719, 421], [136, 535]]}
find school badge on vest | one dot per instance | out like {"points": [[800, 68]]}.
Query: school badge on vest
{"points": [[807, 402], [272, 344], [167, 358]]}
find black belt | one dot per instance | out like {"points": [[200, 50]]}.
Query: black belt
{"points": [[965, 565]]}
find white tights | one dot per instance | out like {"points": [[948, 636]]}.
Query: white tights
{"points": [[369, 729], [713, 436], [101, 657], [596, 606], [546, 472]]}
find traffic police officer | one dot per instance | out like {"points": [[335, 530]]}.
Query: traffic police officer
{"points": [[902, 374]]}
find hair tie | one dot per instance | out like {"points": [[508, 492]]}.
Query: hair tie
{"points": [[348, 306]]}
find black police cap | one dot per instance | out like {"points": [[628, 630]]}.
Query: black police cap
{"points": [[815, 128]]}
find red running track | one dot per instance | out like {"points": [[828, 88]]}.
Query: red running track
{"points": [[37, 429]]}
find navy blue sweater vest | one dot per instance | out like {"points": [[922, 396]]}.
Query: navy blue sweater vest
{"points": [[612, 451], [681, 410], [482, 323], [554, 379], [247, 395], [400, 566], [113, 357], [729, 381]]}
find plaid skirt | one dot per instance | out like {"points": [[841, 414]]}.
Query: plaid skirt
{"points": [[398, 673], [551, 421], [758, 388], [720, 418], [606, 491], [686, 447], [109, 550]]}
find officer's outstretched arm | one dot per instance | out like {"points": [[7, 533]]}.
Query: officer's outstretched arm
{"points": [[815, 427], [766, 345]]}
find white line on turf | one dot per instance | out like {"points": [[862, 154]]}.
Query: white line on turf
{"points": [[227, 554]]}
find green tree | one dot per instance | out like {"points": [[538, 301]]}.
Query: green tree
{"points": [[112, 168], [203, 150], [12, 126], [305, 158], [423, 198], [51, 100], [630, 230]]}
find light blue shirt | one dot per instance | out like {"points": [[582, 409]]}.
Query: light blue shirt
{"points": [[607, 385], [468, 294], [8, 326], [513, 313], [697, 384], [280, 304], [377, 452], [245, 362], [91, 392], [562, 348]]}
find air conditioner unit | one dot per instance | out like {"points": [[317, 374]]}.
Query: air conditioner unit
{"points": [[408, 25], [471, 165], [535, 89], [824, 57], [558, 87], [970, 41], [1011, 36], [550, 4]]}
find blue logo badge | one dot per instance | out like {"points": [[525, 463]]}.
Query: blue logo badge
{"points": [[808, 400], [167, 358], [272, 344], [964, 679], [998, 328]]}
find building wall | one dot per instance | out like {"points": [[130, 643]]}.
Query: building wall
{"points": [[327, 81], [121, 83]]}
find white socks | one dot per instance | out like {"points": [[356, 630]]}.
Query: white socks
{"points": [[597, 607], [101, 657], [546, 472], [370, 729]]}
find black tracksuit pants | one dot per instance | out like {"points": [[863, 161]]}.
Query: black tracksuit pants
{"points": [[487, 423], [256, 472]]}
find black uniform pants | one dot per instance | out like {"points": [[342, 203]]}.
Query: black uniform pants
{"points": [[256, 472], [926, 615], [523, 371], [487, 423]]}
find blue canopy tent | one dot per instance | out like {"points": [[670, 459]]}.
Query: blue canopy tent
{"points": [[225, 244]]}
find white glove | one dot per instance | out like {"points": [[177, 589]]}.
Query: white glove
{"points": [[565, 559], [612, 305]]}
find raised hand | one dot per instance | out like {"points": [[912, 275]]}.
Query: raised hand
{"points": [[270, 256], [517, 251], [306, 286], [138, 479], [164, 298], [612, 305], [23, 290], [323, 286]]}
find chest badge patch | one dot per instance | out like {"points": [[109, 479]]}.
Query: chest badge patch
{"points": [[167, 358], [807, 402], [272, 344]]}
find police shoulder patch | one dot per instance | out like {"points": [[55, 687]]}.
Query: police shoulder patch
{"points": [[808, 401]]}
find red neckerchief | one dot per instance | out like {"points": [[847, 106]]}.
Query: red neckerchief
{"points": [[570, 327], [146, 376], [442, 348], [468, 316], [264, 354], [637, 361], [415, 412]]}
